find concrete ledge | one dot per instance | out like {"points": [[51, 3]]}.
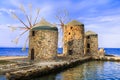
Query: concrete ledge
{"points": [[37, 70], [40, 69]]}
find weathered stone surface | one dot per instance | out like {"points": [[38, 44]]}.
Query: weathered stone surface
{"points": [[106, 58], [43, 45], [41, 69], [73, 39], [43, 41], [101, 52], [91, 43], [44, 68]]}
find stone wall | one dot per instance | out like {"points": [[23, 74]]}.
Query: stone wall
{"points": [[91, 45], [85, 45], [73, 40], [43, 44]]}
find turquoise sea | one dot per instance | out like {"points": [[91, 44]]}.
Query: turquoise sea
{"points": [[93, 70]]}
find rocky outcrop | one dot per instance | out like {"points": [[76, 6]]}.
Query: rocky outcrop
{"points": [[101, 52], [40, 69]]}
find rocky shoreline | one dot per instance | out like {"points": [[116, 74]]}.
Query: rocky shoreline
{"points": [[44, 68], [107, 58], [23, 70]]}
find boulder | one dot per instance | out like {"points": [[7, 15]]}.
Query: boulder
{"points": [[101, 52]]}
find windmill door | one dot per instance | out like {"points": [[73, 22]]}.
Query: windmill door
{"points": [[32, 54]]}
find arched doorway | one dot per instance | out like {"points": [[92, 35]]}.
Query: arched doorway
{"points": [[32, 54]]}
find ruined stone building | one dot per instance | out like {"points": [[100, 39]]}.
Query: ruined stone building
{"points": [[73, 38], [91, 43], [43, 40]]}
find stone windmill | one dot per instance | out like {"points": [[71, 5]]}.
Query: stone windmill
{"points": [[91, 43], [43, 41], [43, 37], [74, 38]]}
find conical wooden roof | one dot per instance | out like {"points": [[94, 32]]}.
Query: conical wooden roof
{"points": [[43, 22], [44, 25], [90, 33], [75, 22]]}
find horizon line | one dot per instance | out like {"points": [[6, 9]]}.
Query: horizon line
{"points": [[58, 47]]}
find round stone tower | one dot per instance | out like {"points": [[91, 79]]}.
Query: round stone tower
{"points": [[43, 41], [91, 43], [73, 38]]}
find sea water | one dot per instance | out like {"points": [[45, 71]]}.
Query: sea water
{"points": [[93, 70], [19, 52]]}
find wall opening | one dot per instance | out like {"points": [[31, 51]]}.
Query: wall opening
{"points": [[70, 52], [69, 33], [71, 27], [70, 43], [32, 54], [88, 45], [33, 33], [88, 37]]}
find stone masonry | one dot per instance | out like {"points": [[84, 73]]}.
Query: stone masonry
{"points": [[73, 38], [43, 42], [91, 43]]}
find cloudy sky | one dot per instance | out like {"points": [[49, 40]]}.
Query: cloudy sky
{"points": [[100, 16]]}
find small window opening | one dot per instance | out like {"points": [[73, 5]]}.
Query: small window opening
{"points": [[33, 33], [71, 27], [70, 52], [88, 45], [70, 43], [69, 33]]}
